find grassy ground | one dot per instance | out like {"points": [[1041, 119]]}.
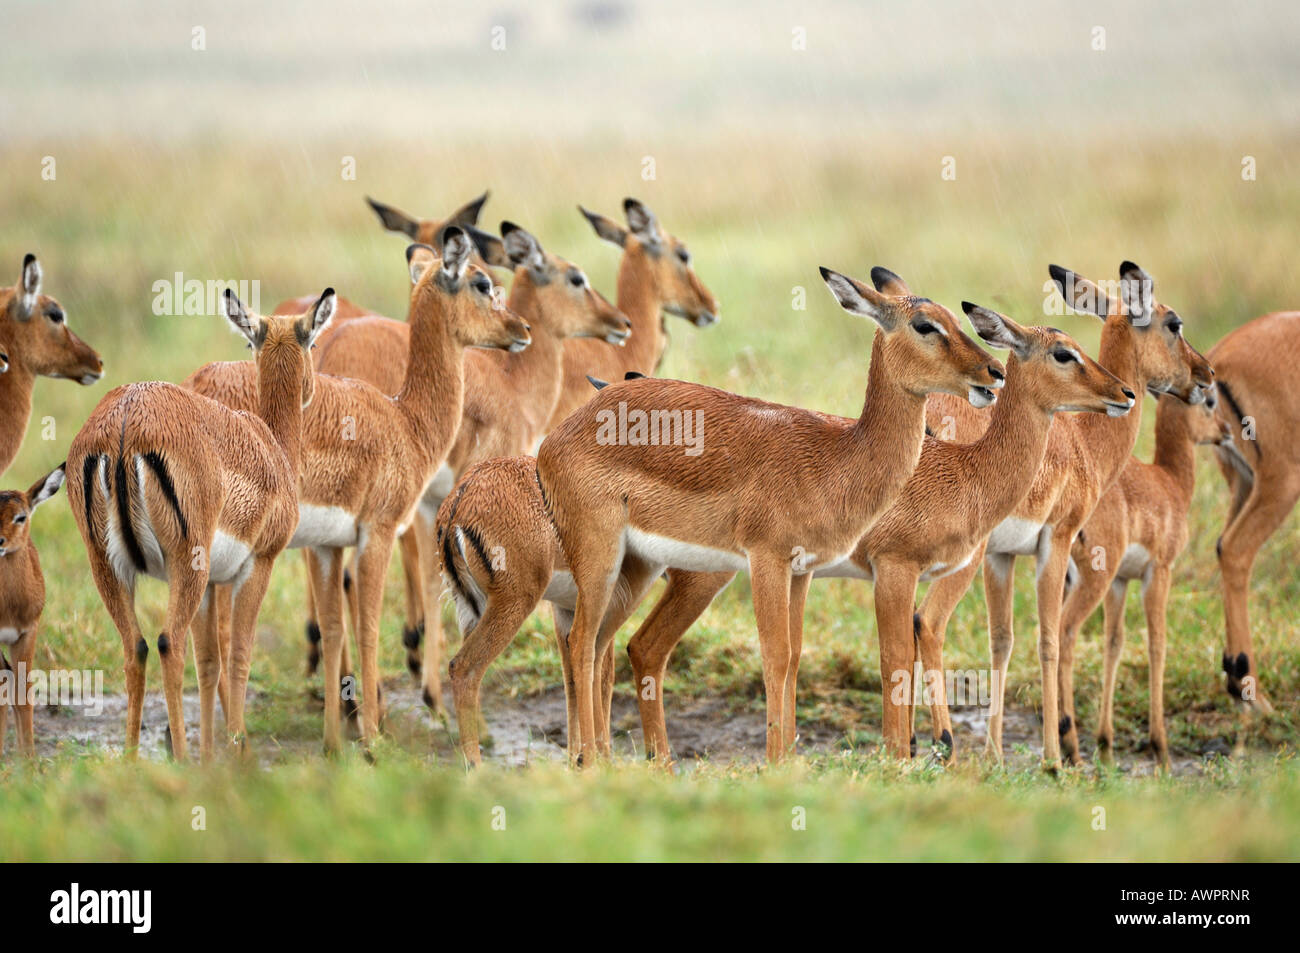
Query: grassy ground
{"points": [[760, 216]]}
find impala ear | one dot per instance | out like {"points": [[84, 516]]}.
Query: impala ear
{"points": [[641, 220], [468, 213], [46, 486], [393, 219], [29, 286], [311, 324], [1137, 291], [856, 298], [456, 249], [887, 282], [522, 247], [489, 247], [1079, 293], [606, 228], [418, 258], [998, 330], [249, 325]]}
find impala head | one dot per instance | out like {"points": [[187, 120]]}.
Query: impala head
{"points": [[925, 347], [36, 332], [16, 508], [573, 308], [1164, 359], [661, 256], [1052, 366], [282, 343], [461, 291], [1204, 425]]}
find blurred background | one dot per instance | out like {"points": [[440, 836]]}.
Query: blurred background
{"points": [[963, 145]]}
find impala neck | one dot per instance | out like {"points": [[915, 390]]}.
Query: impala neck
{"points": [[885, 443], [1175, 452], [538, 370], [279, 399], [433, 393], [1110, 440], [1012, 447], [15, 409], [638, 300]]}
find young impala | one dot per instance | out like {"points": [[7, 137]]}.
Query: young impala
{"points": [[778, 490], [1136, 532], [367, 456], [1142, 344], [22, 599], [167, 483], [36, 342]]}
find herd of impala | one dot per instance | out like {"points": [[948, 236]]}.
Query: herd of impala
{"points": [[350, 431]]}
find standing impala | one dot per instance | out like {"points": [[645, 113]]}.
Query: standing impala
{"points": [[36, 342], [1142, 344], [367, 456], [22, 599], [936, 526], [778, 490], [1136, 531], [166, 483], [508, 397], [1255, 365], [655, 275]]}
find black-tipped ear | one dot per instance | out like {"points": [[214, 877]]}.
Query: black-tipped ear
{"points": [[489, 247], [633, 375], [997, 329], [1137, 291], [30, 282], [856, 298], [1079, 293], [393, 219], [597, 383], [249, 325], [419, 256], [887, 282], [47, 486], [606, 228], [456, 249], [640, 219], [522, 247], [315, 321], [468, 213]]}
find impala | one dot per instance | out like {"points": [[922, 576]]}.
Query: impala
{"points": [[1142, 344], [170, 484], [655, 275], [1136, 531], [1255, 366], [36, 343], [773, 483], [367, 456], [22, 599]]}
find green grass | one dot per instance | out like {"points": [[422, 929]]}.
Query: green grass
{"points": [[759, 215]]}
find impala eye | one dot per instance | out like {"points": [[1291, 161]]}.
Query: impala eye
{"points": [[577, 279], [683, 256], [482, 285], [1063, 356], [924, 327], [1175, 325], [56, 315], [20, 518]]}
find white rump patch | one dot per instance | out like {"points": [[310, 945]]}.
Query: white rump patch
{"points": [[327, 526]]}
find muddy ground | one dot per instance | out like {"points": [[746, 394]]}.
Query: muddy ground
{"points": [[530, 729]]}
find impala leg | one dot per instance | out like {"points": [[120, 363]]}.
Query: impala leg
{"points": [[562, 625], [635, 579], [372, 567], [248, 603], [895, 595], [312, 627], [435, 639], [505, 613], [24, 655], [1271, 499], [999, 579], [1155, 600], [687, 595], [326, 566], [770, 576], [348, 684], [184, 593], [4, 703], [931, 624], [1080, 602], [595, 570], [798, 597], [1051, 593], [413, 581], [208, 667], [119, 600], [223, 601], [1113, 616]]}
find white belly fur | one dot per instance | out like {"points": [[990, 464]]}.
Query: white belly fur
{"points": [[666, 551], [229, 560], [323, 526], [1134, 563], [8, 635], [1015, 537], [561, 590]]}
